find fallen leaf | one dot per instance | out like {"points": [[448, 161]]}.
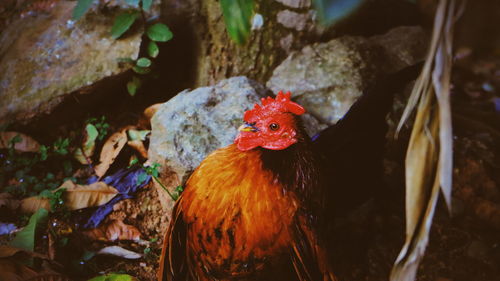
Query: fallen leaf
{"points": [[112, 147], [9, 251], [84, 153], [34, 203], [25, 144], [9, 202], [119, 252], [139, 147], [114, 230], [138, 134], [13, 270], [14, 266], [151, 110], [113, 277], [75, 197], [51, 251], [25, 239], [127, 182], [84, 196]]}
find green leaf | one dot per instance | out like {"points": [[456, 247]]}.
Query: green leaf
{"points": [[146, 4], [133, 85], [331, 11], [159, 32], [61, 146], [237, 16], [132, 162], [82, 6], [67, 167], [142, 177], [91, 136], [137, 134], [46, 194], [44, 152], [134, 3], [113, 277], [87, 255], [141, 70], [25, 239], [16, 139], [143, 62], [122, 23], [87, 150], [153, 49]]}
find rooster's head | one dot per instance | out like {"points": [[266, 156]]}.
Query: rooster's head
{"points": [[271, 125]]}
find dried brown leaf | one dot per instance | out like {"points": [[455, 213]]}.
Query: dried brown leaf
{"points": [[429, 156], [51, 251], [27, 143], [139, 147], [76, 197], [84, 153], [119, 252], [151, 110], [34, 203], [114, 230], [9, 251], [12, 270], [9, 202], [112, 147]]}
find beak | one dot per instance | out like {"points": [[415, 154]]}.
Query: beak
{"points": [[247, 128]]}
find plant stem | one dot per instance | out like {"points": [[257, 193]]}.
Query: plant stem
{"points": [[164, 187]]}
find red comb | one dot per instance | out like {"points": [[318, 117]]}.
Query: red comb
{"points": [[281, 103]]}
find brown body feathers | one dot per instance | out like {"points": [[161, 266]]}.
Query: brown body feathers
{"points": [[241, 219]]}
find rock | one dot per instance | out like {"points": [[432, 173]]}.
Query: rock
{"points": [[402, 46], [44, 56], [194, 123], [328, 77], [295, 3], [292, 20]]}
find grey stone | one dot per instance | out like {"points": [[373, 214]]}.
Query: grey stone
{"points": [[327, 78], [194, 123], [286, 42], [293, 20], [46, 56], [295, 3]]}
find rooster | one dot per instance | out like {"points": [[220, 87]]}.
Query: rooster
{"points": [[255, 210]]}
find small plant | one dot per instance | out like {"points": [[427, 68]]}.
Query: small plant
{"points": [[157, 32], [154, 173], [26, 174], [100, 125], [56, 200], [61, 146]]}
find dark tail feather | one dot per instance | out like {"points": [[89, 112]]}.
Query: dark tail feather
{"points": [[352, 149]]}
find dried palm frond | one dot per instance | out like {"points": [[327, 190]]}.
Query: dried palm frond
{"points": [[429, 156]]}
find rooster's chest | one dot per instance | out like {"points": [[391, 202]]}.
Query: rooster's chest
{"points": [[238, 225]]}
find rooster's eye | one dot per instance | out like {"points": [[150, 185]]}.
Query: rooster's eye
{"points": [[274, 126]]}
